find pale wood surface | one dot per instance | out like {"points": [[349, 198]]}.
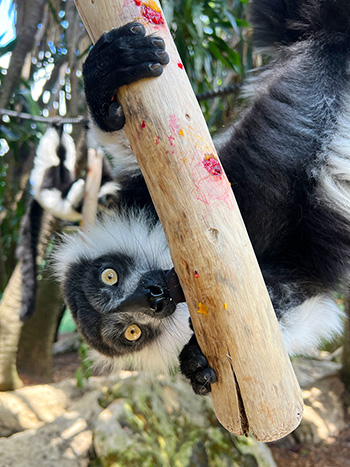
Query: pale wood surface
{"points": [[92, 186], [237, 328]]}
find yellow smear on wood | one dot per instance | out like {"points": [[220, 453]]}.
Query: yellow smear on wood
{"points": [[203, 309], [151, 4], [225, 306], [181, 133]]}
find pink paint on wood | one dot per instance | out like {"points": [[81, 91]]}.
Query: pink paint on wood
{"points": [[212, 166]]}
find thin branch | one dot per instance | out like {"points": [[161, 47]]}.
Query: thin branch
{"points": [[80, 120]]}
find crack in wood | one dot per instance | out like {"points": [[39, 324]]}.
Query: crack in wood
{"points": [[242, 412]]}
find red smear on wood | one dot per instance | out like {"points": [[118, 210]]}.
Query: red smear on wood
{"points": [[212, 165], [151, 15], [180, 65], [150, 11], [143, 124], [195, 275], [131, 147], [171, 140], [157, 140]]}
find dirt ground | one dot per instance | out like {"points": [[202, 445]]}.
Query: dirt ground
{"points": [[334, 453]]}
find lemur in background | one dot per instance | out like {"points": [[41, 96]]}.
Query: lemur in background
{"points": [[55, 188], [288, 160]]}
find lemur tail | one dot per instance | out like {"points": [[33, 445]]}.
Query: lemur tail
{"points": [[27, 253], [283, 22]]}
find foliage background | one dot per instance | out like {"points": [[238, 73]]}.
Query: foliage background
{"points": [[210, 36]]}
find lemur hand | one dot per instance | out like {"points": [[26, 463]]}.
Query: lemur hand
{"points": [[195, 367], [121, 56]]}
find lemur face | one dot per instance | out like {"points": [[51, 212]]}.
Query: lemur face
{"points": [[115, 283]]}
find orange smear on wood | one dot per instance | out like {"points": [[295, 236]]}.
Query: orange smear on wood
{"points": [[203, 309]]}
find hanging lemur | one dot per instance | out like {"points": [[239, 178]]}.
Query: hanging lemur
{"points": [[288, 160], [56, 189]]}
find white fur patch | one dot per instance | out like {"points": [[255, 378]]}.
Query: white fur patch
{"points": [[52, 201], [118, 146], [307, 325], [46, 156], [334, 186], [108, 188]]}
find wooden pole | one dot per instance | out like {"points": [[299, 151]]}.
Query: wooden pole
{"points": [[230, 308]]}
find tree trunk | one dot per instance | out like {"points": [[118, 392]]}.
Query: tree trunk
{"points": [[10, 328], [32, 15], [10, 324], [34, 356]]}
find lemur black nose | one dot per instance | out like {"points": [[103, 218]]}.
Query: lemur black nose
{"points": [[156, 297]]}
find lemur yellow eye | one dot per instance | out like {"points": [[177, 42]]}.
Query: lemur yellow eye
{"points": [[109, 276], [133, 333]]}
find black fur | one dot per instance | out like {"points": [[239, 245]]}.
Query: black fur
{"points": [[27, 253], [278, 152]]}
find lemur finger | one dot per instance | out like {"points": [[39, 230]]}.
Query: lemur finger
{"points": [[143, 70], [202, 380], [129, 29]]}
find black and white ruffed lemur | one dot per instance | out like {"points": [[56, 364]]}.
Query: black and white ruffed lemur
{"points": [[56, 189], [288, 160]]}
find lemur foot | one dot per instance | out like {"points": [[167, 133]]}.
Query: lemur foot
{"points": [[194, 366], [121, 56]]}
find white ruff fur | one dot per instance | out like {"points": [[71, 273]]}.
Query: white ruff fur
{"points": [[129, 234], [118, 146], [304, 327], [334, 188], [161, 355]]}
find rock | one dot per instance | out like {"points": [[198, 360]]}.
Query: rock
{"points": [[323, 393], [32, 406], [161, 422], [323, 411], [308, 371], [69, 342], [66, 442]]}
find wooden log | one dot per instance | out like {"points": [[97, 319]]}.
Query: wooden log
{"points": [[229, 305]]}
